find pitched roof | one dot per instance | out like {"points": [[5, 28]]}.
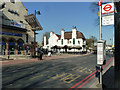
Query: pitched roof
{"points": [[59, 36], [68, 35], [80, 35]]}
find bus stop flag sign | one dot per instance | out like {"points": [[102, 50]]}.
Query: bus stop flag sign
{"points": [[108, 14], [107, 8]]}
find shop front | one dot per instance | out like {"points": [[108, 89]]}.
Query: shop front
{"points": [[12, 40], [11, 45], [20, 46], [3, 47]]}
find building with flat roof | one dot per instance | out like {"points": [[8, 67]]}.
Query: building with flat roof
{"points": [[18, 29]]}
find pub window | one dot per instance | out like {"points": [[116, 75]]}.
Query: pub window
{"points": [[68, 41], [73, 40], [62, 41], [27, 38], [12, 1]]}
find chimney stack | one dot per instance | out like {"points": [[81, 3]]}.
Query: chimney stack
{"points": [[45, 40], [62, 34], [74, 31]]}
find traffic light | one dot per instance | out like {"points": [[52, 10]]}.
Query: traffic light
{"points": [[2, 6]]}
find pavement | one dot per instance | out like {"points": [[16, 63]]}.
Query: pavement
{"points": [[44, 58], [107, 78]]}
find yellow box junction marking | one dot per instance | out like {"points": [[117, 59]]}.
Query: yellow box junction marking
{"points": [[58, 76], [89, 71], [70, 78], [83, 70]]}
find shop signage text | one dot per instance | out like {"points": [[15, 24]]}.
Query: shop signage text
{"points": [[13, 23]]}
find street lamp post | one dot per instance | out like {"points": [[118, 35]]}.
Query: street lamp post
{"points": [[36, 13]]}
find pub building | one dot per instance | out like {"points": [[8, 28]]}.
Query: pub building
{"points": [[18, 29]]}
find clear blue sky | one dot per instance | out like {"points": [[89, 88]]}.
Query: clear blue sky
{"points": [[57, 15]]}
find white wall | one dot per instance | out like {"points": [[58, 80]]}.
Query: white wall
{"points": [[53, 40]]}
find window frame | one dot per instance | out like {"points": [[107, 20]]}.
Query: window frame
{"points": [[26, 38], [74, 41], [62, 41]]}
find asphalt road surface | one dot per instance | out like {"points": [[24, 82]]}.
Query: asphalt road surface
{"points": [[61, 73]]}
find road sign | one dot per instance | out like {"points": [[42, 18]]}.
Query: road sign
{"points": [[107, 8], [108, 20]]}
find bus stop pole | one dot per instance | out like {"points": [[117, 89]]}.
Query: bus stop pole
{"points": [[100, 39], [100, 23]]}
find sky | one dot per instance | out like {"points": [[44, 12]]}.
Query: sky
{"points": [[57, 15]]}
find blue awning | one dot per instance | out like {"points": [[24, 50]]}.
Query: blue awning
{"points": [[11, 43], [3, 43], [20, 44], [11, 34]]}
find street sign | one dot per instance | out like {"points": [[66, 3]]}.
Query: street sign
{"points": [[16, 24], [107, 8], [100, 52], [108, 20]]}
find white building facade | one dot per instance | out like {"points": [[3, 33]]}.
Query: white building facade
{"points": [[72, 41]]}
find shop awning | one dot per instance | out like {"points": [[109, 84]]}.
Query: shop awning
{"points": [[33, 22]]}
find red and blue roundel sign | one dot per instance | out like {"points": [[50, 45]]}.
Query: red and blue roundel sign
{"points": [[107, 8]]}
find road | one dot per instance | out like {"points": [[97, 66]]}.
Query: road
{"points": [[61, 73]]}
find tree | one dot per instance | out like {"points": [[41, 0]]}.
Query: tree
{"points": [[94, 39], [95, 9], [91, 41]]}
